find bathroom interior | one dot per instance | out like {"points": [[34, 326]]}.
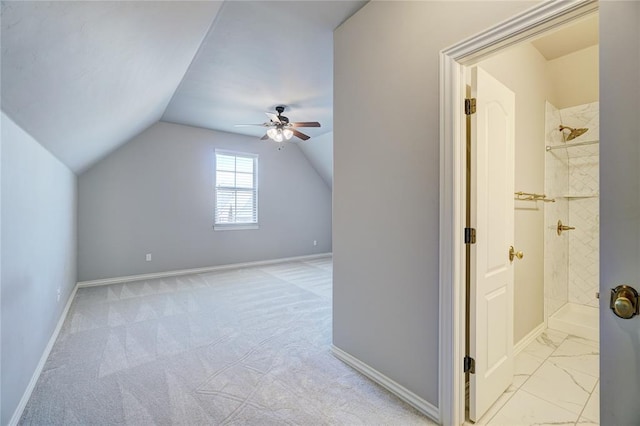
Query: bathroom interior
{"points": [[571, 254], [555, 81]]}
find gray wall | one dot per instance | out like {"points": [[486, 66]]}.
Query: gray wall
{"points": [[319, 152], [38, 243], [156, 195], [1, 137], [619, 207], [386, 181]]}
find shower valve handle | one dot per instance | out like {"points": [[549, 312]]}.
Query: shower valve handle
{"points": [[560, 228]]}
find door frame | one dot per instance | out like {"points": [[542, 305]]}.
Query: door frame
{"points": [[453, 62]]}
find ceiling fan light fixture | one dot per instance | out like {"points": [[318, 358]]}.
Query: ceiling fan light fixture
{"points": [[280, 129], [279, 134], [275, 134]]}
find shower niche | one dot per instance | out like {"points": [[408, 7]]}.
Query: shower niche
{"points": [[571, 257]]}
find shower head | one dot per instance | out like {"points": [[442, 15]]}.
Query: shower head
{"points": [[574, 133]]}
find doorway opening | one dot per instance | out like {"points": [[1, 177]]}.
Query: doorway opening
{"points": [[553, 370], [533, 304]]}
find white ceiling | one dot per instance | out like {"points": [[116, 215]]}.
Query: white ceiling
{"points": [[259, 55], [569, 38], [84, 77]]}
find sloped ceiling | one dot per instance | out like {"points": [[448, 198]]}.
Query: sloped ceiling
{"points": [[260, 54], [84, 77]]}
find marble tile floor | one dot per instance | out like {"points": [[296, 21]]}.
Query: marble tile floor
{"points": [[556, 383]]}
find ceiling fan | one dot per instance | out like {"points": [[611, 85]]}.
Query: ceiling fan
{"points": [[279, 127]]}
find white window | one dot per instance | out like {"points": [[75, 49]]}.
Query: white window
{"points": [[236, 190]]}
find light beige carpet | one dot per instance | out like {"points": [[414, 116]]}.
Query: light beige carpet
{"points": [[248, 346]]}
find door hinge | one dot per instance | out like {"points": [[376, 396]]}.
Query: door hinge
{"points": [[470, 106], [469, 235], [469, 365]]}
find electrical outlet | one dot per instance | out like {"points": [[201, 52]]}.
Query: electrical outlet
{"points": [[315, 242], [58, 295], [148, 257]]}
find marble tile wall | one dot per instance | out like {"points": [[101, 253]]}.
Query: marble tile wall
{"points": [[556, 250], [584, 186], [572, 178], [581, 116]]}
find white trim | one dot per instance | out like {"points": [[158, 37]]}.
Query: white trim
{"points": [[220, 226], [529, 338], [235, 153], [234, 226], [154, 275], [532, 22], [392, 386], [17, 414], [452, 194]]}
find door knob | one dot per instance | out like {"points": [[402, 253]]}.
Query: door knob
{"points": [[624, 302], [513, 253]]}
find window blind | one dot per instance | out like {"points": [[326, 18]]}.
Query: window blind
{"points": [[236, 188]]}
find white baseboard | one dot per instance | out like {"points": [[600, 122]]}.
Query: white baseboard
{"points": [[155, 275], [17, 414], [392, 386], [524, 342]]}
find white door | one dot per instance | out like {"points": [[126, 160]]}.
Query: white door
{"points": [[492, 214]]}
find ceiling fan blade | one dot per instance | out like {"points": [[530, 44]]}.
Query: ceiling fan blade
{"points": [[305, 124], [300, 135], [273, 117], [246, 125], [265, 137]]}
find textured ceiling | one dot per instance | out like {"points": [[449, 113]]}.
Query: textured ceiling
{"points": [[260, 54], [84, 77]]}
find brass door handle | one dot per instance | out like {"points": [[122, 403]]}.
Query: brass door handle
{"points": [[625, 301], [562, 227], [513, 253]]}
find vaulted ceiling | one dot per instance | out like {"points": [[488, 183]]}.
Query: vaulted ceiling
{"points": [[84, 77]]}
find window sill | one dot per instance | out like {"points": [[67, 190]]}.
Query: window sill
{"points": [[235, 226]]}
